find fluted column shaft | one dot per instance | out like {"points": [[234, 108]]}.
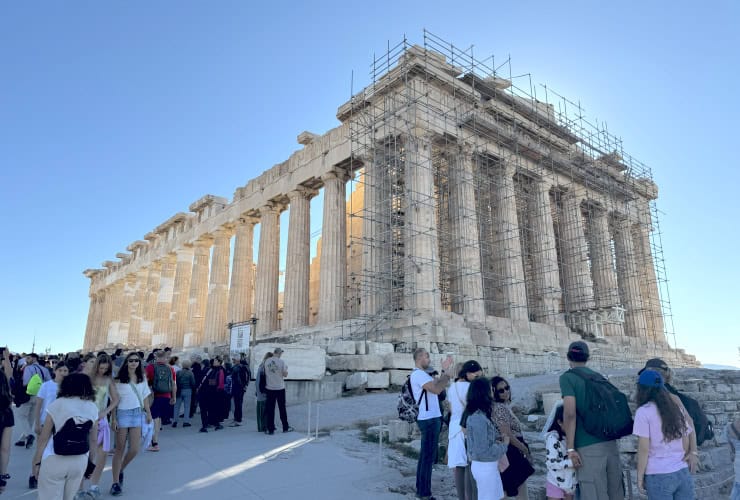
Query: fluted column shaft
{"points": [[114, 313], [333, 270], [87, 342], [198, 296], [544, 256], [150, 303], [577, 282], [509, 247], [268, 260], [95, 334], [648, 281], [373, 241], [606, 291], [127, 298], [180, 296], [628, 278], [242, 273], [218, 289], [160, 334], [105, 318], [137, 307], [295, 309]]}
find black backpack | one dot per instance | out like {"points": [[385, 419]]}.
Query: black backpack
{"points": [[606, 413], [73, 438], [162, 382], [408, 407], [702, 425]]}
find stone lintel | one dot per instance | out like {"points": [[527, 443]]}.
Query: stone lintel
{"points": [[137, 244], [307, 137], [206, 201], [92, 273], [175, 220]]}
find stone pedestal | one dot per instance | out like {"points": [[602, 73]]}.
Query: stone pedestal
{"points": [[242, 273], [198, 296], [295, 309], [218, 289], [333, 270], [268, 260]]}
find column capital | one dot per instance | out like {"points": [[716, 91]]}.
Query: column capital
{"points": [[302, 192], [271, 206], [573, 193], [336, 173], [247, 220], [224, 231]]}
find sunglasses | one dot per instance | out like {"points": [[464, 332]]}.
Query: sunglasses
{"points": [[503, 389], [133, 360]]}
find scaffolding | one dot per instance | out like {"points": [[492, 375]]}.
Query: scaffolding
{"points": [[486, 167]]}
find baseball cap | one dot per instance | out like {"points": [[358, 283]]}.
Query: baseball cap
{"points": [[278, 350], [578, 351], [654, 363], [650, 378]]}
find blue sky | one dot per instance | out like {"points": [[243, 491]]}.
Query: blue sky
{"points": [[116, 115]]}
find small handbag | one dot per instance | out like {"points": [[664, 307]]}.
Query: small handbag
{"points": [[147, 429]]}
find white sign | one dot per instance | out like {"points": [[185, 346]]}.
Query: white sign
{"points": [[240, 338]]}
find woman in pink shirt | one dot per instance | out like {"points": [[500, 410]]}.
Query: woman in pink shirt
{"points": [[662, 429]]}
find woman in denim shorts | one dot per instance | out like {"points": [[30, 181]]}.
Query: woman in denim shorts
{"points": [[133, 406]]}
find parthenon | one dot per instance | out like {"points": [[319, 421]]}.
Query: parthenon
{"points": [[491, 215]]}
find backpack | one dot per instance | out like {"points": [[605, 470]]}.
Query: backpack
{"points": [[606, 413], [702, 425], [408, 408], [162, 382], [228, 384], [32, 389], [73, 438]]}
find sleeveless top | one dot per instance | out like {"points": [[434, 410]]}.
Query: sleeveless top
{"points": [[101, 396]]}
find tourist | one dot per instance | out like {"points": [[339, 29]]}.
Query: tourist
{"points": [[106, 400], [457, 457], [89, 361], [515, 476], [197, 369], [733, 439], [240, 375], [73, 418], [261, 392], [596, 458], [185, 387], [426, 390], [24, 412], [212, 396], [275, 372], [484, 448], [662, 429], [227, 389], [47, 395], [133, 408], [175, 364], [561, 475], [7, 420], [161, 377], [117, 360]]}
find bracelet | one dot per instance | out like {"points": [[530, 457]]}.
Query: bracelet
{"points": [[570, 450], [696, 453]]}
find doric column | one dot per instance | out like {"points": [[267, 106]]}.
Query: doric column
{"points": [[375, 228], [100, 327], [421, 267], [114, 313], [218, 289], [180, 296], [137, 307], [150, 303], [333, 270], [242, 273], [160, 334], [509, 246], [544, 256], [577, 282], [198, 296], [268, 260], [90, 325], [606, 291], [96, 319], [467, 280], [127, 298], [646, 270], [628, 277], [295, 304]]}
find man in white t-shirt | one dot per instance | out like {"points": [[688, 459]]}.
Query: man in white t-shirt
{"points": [[426, 389]]}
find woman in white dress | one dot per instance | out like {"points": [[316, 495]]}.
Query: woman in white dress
{"points": [[457, 457]]}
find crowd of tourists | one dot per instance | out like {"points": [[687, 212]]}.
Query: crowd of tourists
{"points": [[75, 411], [490, 458]]}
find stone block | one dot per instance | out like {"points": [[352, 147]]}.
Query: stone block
{"points": [[361, 347], [398, 430], [341, 347], [398, 377], [399, 360], [301, 391], [356, 380], [304, 362], [354, 362], [378, 380], [381, 348]]}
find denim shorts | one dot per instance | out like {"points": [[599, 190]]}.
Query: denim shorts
{"points": [[129, 418], [677, 485]]}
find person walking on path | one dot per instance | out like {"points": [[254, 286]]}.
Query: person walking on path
{"points": [[596, 458], [663, 442], [73, 418], [133, 407], [161, 377], [212, 396], [261, 392], [6, 417], [24, 412], [185, 387], [426, 390], [275, 372], [457, 457]]}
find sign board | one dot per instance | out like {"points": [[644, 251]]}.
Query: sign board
{"points": [[240, 338]]}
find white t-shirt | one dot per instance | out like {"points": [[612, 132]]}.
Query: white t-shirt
{"points": [[129, 400], [418, 379], [63, 409], [47, 394], [457, 395]]}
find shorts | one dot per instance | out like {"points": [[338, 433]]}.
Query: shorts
{"points": [[129, 418], [161, 408], [6, 418], [553, 491]]}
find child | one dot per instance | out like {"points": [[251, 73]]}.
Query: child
{"points": [[561, 476]]}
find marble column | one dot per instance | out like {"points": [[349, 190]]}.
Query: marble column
{"points": [[114, 313], [127, 298], [150, 303], [508, 246], [218, 289], [467, 277], [295, 308], [96, 319], [374, 234], [242, 272], [268, 261], [100, 324], [606, 291], [137, 307], [544, 256], [628, 278], [648, 281], [87, 343], [577, 282], [180, 296], [421, 265], [333, 270], [198, 296], [160, 334]]}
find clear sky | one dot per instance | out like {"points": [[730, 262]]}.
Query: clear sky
{"points": [[116, 115]]}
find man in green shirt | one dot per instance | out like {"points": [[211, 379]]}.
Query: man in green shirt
{"points": [[597, 459]]}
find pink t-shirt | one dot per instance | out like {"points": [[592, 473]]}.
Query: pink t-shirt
{"points": [[663, 458]]}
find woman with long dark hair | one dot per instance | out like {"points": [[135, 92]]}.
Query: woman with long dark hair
{"points": [[212, 397], [663, 443], [482, 438]]}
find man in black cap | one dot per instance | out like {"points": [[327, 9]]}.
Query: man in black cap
{"points": [[597, 459]]}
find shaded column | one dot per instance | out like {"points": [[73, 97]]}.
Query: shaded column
{"points": [[577, 282], [90, 325], [114, 313], [127, 298], [180, 296], [295, 308], [509, 247], [96, 319], [137, 307], [544, 256], [242, 273], [150, 303], [100, 325], [374, 249], [198, 296], [606, 291], [649, 290], [628, 278], [160, 334], [268, 260], [333, 269], [218, 288]]}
